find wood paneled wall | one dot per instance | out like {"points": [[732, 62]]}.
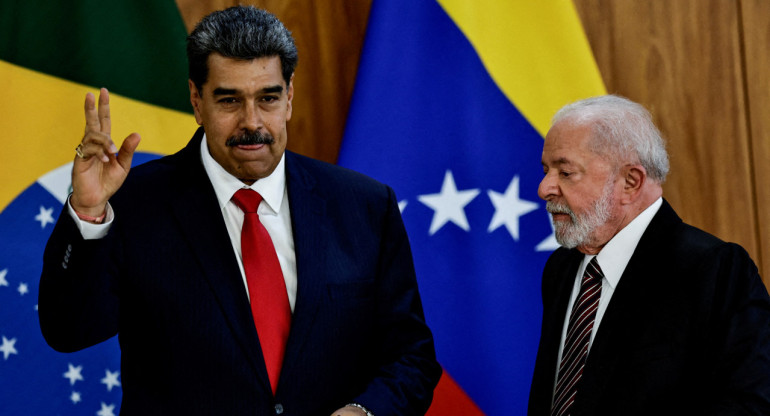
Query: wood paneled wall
{"points": [[702, 68]]}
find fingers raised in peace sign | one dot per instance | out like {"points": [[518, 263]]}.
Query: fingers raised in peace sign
{"points": [[97, 172]]}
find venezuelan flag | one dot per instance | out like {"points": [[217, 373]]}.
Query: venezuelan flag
{"points": [[452, 101], [51, 54]]}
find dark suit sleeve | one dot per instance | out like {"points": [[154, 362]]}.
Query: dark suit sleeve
{"points": [[741, 334], [78, 302], [408, 371]]}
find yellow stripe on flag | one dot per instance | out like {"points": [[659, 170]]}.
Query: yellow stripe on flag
{"points": [[536, 52], [42, 122]]}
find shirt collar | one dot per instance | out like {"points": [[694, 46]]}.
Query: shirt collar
{"points": [[272, 188], [615, 255]]}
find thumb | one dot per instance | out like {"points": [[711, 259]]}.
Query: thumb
{"points": [[127, 149]]}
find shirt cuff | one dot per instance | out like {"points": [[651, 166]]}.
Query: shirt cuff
{"points": [[88, 230]]}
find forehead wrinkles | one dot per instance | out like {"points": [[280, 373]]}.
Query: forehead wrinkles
{"points": [[560, 152]]}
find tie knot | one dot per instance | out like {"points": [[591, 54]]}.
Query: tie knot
{"points": [[247, 200], [593, 271]]}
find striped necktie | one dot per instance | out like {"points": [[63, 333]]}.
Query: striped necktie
{"points": [[581, 324]]}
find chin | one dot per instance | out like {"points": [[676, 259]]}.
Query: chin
{"points": [[254, 170]]}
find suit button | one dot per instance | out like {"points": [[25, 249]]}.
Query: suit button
{"points": [[278, 409]]}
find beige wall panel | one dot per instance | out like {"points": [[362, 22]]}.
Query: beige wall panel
{"points": [[329, 36], [756, 30], [682, 60]]}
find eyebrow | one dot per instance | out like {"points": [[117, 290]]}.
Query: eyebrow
{"points": [[273, 89], [559, 161], [232, 91], [224, 91]]}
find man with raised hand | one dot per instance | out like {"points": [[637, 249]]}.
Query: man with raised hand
{"points": [[240, 278]]}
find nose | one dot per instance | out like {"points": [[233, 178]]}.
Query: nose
{"points": [[548, 188], [251, 117]]}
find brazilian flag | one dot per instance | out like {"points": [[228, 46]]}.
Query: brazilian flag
{"points": [[51, 54]]}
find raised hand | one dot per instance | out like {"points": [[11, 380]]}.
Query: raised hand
{"points": [[98, 172]]}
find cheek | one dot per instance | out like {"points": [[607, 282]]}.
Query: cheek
{"points": [[222, 126], [277, 128], [576, 201]]}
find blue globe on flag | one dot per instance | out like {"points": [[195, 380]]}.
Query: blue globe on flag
{"points": [[86, 382]]}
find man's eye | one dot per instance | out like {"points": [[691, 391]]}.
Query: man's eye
{"points": [[269, 99], [228, 100], [564, 174]]}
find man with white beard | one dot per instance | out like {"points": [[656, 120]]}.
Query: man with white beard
{"points": [[642, 313]]}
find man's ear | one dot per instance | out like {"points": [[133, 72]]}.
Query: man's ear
{"points": [[289, 96], [634, 178], [195, 100]]}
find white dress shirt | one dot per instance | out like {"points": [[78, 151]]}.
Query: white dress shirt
{"points": [[273, 213], [612, 259]]}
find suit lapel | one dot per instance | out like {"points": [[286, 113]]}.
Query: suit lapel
{"points": [[195, 207], [559, 278], [310, 229], [563, 292]]}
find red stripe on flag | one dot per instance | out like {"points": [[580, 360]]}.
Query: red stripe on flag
{"points": [[450, 399]]}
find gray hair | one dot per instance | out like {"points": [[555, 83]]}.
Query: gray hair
{"points": [[623, 130], [241, 32]]}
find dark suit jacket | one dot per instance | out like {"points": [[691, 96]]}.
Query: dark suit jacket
{"points": [[687, 331], [166, 280]]}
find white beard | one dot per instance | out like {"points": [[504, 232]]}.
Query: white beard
{"points": [[580, 229]]}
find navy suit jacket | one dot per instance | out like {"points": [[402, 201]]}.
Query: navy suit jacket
{"points": [[166, 280], [687, 331]]}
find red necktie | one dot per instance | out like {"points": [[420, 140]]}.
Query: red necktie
{"points": [[267, 288], [581, 324]]}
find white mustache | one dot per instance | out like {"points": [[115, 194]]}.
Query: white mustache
{"points": [[557, 208]]}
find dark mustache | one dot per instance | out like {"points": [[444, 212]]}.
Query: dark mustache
{"points": [[256, 137]]}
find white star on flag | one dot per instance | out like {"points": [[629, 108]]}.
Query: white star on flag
{"points": [[8, 347], [111, 379], [449, 204], [73, 374], [23, 289], [402, 206], [3, 282], [106, 410], [75, 397], [508, 208], [45, 216]]}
